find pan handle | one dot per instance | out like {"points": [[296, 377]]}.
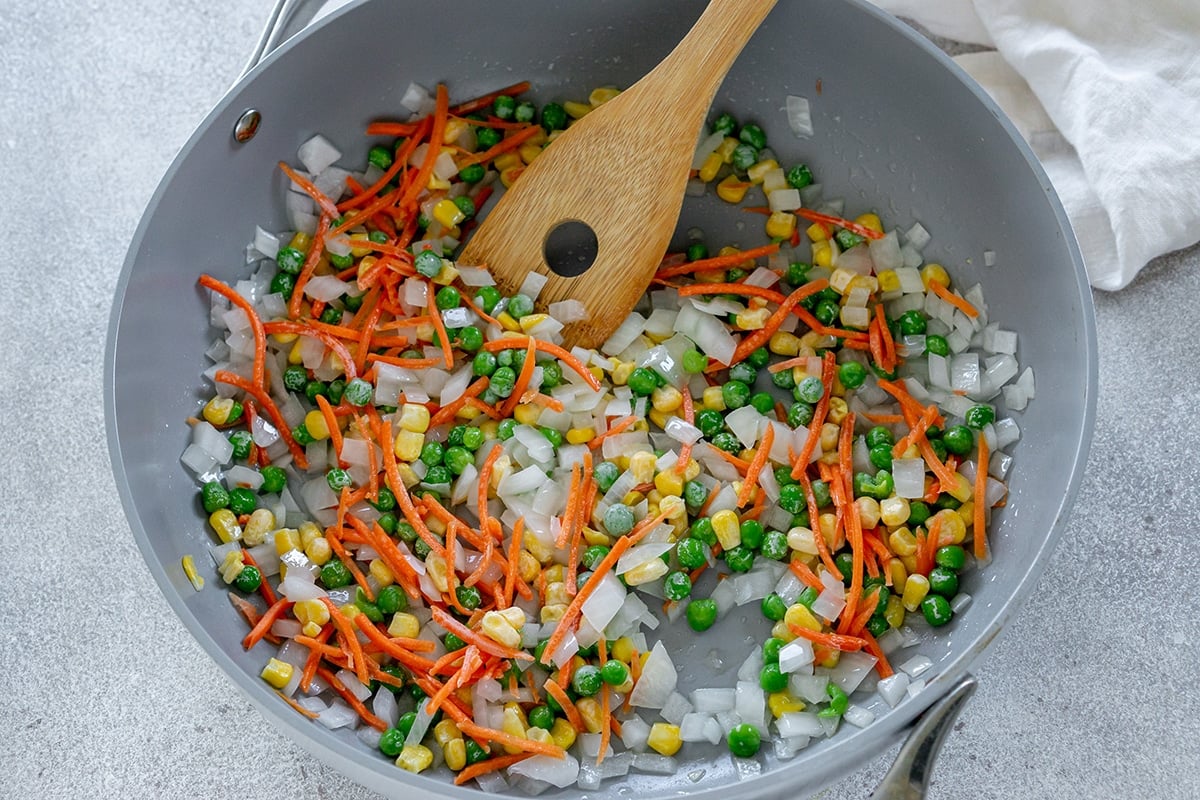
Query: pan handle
{"points": [[287, 18], [909, 776]]}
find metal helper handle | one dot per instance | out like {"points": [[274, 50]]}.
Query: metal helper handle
{"points": [[909, 776], [287, 18]]}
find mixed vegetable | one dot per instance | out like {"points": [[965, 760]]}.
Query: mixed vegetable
{"points": [[448, 531]]}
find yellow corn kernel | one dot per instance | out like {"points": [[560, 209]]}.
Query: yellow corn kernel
{"points": [[508, 322], [827, 525], [314, 421], [961, 490], [301, 241], [358, 251], [277, 673], [889, 281], [817, 232], [425, 332], [594, 537], [435, 568], [839, 280], [915, 589], [868, 511], [781, 225], [381, 572], [894, 511], [562, 733], [909, 563], [414, 417], [870, 221], [664, 738], [641, 464], [726, 149], [529, 151], [527, 413], [536, 734], [509, 176], [543, 553], [602, 95], [555, 573], [802, 540], [711, 166], [454, 129], [781, 631], [829, 437], [621, 371], [831, 659], [556, 594], [312, 614], [365, 265], [952, 530], [514, 616], [552, 613], [296, 355], [437, 184], [218, 410], [784, 344], [727, 528], [446, 731], [647, 572], [580, 435], [189, 570], [868, 282], [531, 321], [902, 542], [448, 213], [837, 410], [497, 628], [752, 319], [447, 274], [414, 758], [408, 445], [691, 471], [799, 615], [232, 566], [528, 566], [897, 572], [782, 703], [589, 709], [404, 625], [666, 399], [622, 649], [935, 273], [285, 338], [822, 254], [436, 526], [670, 483], [758, 171], [455, 753], [966, 512], [224, 523], [261, 523], [713, 399], [732, 190], [318, 551], [575, 109], [513, 723], [506, 161], [894, 613]]}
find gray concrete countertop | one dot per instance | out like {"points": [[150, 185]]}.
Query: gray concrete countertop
{"points": [[1090, 693]]}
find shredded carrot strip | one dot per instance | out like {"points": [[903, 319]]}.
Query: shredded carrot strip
{"points": [[301, 709], [473, 730], [718, 262], [689, 416], [451, 625], [617, 427], [838, 222], [572, 509], [267, 405], [420, 181], [881, 666], [605, 706], [265, 622], [482, 102], [756, 465], [514, 560], [490, 765], [264, 587], [335, 544], [818, 537], [953, 299], [907, 441], [332, 342], [367, 717], [310, 188], [346, 629], [447, 412], [814, 427], [805, 574], [511, 142], [523, 379], [567, 622], [256, 326], [980, 521], [885, 333], [846, 644], [573, 715], [335, 432], [485, 482], [513, 342], [418, 664], [315, 249]]}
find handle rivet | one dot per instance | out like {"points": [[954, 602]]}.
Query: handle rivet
{"points": [[247, 125]]}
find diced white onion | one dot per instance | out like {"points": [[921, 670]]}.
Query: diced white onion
{"points": [[799, 116]]}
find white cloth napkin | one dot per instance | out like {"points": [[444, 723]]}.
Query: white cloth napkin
{"points": [[1107, 93]]}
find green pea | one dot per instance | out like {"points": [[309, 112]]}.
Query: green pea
{"points": [[438, 476], [487, 138], [552, 374], [586, 681], [677, 586], [504, 107], [541, 717], [937, 345], [695, 495], [428, 263], [744, 157], [337, 387], [614, 673], [880, 456], [295, 378], [845, 563], [797, 273], [753, 135], [390, 600], [340, 262], [710, 422], [520, 305], [912, 323], [852, 374], [392, 740], [771, 679], [301, 435], [697, 251], [727, 441], [774, 545], [701, 614], [242, 441], [368, 609], [959, 440], [838, 702], [725, 124], [457, 459], [827, 312], [808, 596], [618, 519], [752, 534], [936, 609], [242, 501], [605, 474], [949, 501], [740, 558], [248, 580], [472, 173], [289, 260], [773, 608], [473, 439], [810, 390], [951, 557], [939, 449], [744, 740], [821, 493], [783, 380], [358, 392], [918, 512], [406, 532], [736, 394], [466, 205], [744, 372], [848, 239], [799, 176], [387, 521], [554, 117], [943, 581], [283, 283], [447, 298], [468, 597], [335, 574], [879, 435], [484, 364], [702, 531], [314, 389], [379, 157], [762, 402], [525, 112], [690, 554], [213, 496], [594, 555], [642, 381], [791, 499], [554, 436], [979, 417], [475, 753], [504, 380], [799, 414]]}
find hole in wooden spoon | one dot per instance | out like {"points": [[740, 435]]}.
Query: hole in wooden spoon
{"points": [[571, 248]]}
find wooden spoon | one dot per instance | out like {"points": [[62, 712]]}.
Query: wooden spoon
{"points": [[621, 171]]}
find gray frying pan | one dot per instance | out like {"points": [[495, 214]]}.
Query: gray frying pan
{"points": [[898, 126]]}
